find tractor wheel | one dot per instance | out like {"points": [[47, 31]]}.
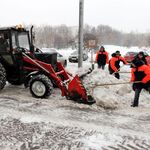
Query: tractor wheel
{"points": [[40, 86], [2, 77]]}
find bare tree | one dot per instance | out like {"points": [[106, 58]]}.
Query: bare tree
{"points": [[63, 36]]}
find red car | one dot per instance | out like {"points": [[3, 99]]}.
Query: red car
{"points": [[129, 56]]}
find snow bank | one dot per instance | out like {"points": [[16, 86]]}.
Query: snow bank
{"points": [[112, 96], [107, 96]]}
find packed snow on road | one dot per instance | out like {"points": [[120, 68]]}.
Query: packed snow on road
{"points": [[59, 124]]}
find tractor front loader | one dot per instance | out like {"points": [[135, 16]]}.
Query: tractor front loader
{"points": [[71, 87], [20, 63]]}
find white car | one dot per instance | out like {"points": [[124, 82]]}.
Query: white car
{"points": [[74, 56], [60, 57]]}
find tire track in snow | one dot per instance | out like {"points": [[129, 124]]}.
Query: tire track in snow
{"points": [[130, 143]]}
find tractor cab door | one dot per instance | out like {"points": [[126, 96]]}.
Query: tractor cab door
{"points": [[15, 68], [11, 58], [19, 43], [7, 58]]}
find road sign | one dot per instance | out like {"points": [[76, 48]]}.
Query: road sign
{"points": [[91, 43]]}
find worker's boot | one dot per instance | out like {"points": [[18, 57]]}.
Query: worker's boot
{"points": [[134, 105]]}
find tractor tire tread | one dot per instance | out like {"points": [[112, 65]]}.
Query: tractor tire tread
{"points": [[2, 77]]}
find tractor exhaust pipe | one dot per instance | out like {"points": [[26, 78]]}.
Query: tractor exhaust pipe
{"points": [[32, 39], [31, 34]]}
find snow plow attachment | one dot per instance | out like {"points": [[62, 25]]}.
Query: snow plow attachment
{"points": [[78, 92], [72, 89]]}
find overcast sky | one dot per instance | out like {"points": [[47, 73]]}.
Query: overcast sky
{"points": [[124, 15]]}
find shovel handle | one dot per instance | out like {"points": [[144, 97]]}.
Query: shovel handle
{"points": [[107, 84]]}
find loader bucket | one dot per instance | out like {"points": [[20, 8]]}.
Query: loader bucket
{"points": [[78, 92]]}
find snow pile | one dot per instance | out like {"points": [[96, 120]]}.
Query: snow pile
{"points": [[107, 96]]}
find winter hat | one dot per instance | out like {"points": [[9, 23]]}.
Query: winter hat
{"points": [[102, 48], [141, 53], [113, 55], [117, 53]]}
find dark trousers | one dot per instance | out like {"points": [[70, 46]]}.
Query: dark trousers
{"points": [[136, 97], [137, 87], [101, 66], [117, 75]]}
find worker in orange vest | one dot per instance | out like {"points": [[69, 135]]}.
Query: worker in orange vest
{"points": [[140, 76], [114, 64], [102, 58]]}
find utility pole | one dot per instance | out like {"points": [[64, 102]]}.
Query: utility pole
{"points": [[80, 51]]}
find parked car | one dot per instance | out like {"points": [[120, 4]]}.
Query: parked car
{"points": [[60, 57], [129, 56], [74, 56]]}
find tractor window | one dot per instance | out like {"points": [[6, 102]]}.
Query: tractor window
{"points": [[4, 42], [14, 44], [23, 40]]}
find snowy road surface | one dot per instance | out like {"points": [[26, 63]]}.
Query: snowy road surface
{"points": [[55, 123]]}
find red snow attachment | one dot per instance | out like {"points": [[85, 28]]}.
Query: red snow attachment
{"points": [[70, 88], [78, 92], [76, 89]]}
